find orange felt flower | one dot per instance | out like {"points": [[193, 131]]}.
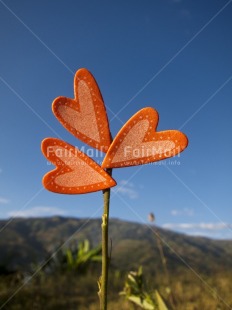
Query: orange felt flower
{"points": [[85, 117]]}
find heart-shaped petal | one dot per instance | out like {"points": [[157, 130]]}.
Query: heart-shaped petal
{"points": [[138, 142], [85, 116], [75, 172]]}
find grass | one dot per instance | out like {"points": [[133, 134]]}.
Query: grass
{"points": [[66, 290], [209, 287]]}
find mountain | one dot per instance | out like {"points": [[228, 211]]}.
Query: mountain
{"points": [[27, 241]]}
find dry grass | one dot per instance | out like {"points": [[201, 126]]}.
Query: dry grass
{"points": [[69, 291]]}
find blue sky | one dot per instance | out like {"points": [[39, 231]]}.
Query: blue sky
{"points": [[172, 55]]}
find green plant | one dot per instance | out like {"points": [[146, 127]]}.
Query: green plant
{"points": [[78, 258], [83, 256], [134, 291]]}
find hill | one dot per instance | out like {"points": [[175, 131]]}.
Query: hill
{"points": [[27, 241]]}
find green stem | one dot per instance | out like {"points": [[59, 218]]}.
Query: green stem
{"points": [[105, 258], [164, 263]]}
